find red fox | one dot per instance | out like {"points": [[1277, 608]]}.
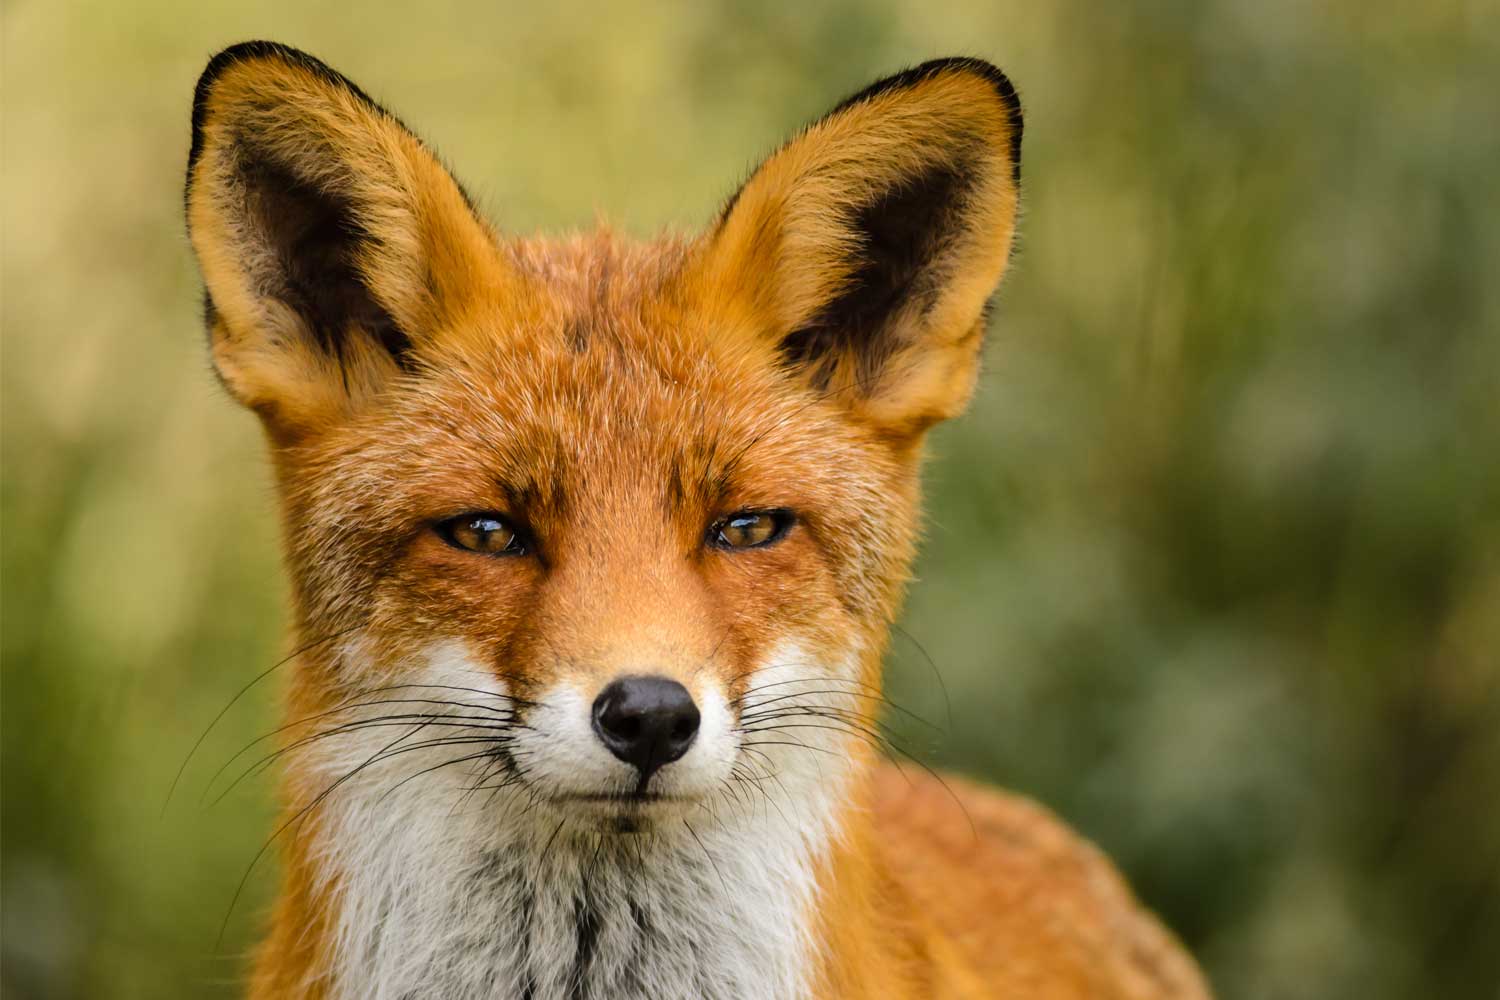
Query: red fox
{"points": [[595, 546]]}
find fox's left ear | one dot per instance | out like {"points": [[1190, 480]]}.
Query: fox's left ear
{"points": [[863, 253]]}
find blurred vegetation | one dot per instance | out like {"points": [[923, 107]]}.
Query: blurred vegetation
{"points": [[1213, 566]]}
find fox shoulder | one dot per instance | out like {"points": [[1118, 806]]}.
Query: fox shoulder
{"points": [[1023, 901]]}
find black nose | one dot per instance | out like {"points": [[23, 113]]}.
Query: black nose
{"points": [[646, 721]]}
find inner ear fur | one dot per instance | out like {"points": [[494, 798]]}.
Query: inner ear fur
{"points": [[333, 244], [863, 253]]}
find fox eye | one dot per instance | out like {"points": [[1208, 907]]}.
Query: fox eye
{"points": [[750, 529], [486, 533]]}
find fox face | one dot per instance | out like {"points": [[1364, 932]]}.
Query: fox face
{"points": [[611, 532], [616, 518]]}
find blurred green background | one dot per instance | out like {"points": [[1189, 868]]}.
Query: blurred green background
{"points": [[1213, 566]]}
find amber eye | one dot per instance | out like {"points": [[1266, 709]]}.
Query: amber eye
{"points": [[486, 533], [750, 529]]}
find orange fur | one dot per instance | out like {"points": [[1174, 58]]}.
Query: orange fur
{"points": [[615, 398]]}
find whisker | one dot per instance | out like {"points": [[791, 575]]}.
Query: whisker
{"points": [[448, 687], [756, 782], [874, 741], [779, 743], [429, 770], [706, 854], [375, 722], [295, 819], [932, 665], [868, 691], [238, 695], [336, 711], [817, 711], [848, 716]]}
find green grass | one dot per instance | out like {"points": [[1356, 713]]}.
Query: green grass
{"points": [[1213, 566]]}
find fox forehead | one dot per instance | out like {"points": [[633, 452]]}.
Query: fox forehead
{"points": [[601, 390]]}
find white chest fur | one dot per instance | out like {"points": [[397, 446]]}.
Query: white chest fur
{"points": [[448, 902], [443, 891]]}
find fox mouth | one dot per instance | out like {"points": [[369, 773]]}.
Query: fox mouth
{"points": [[620, 812], [619, 798]]}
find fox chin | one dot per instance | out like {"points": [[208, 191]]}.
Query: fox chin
{"points": [[594, 549]]}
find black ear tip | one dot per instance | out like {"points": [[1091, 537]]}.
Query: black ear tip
{"points": [[971, 65], [222, 60], [996, 78], [258, 51], [1006, 91], [988, 71], [254, 49]]}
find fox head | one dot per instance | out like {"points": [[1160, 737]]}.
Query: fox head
{"points": [[612, 516]]}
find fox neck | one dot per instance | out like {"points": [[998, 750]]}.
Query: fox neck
{"points": [[427, 896], [468, 911]]}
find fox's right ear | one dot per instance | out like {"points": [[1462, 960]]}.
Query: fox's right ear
{"points": [[332, 243]]}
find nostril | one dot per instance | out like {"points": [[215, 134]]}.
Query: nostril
{"points": [[646, 721]]}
